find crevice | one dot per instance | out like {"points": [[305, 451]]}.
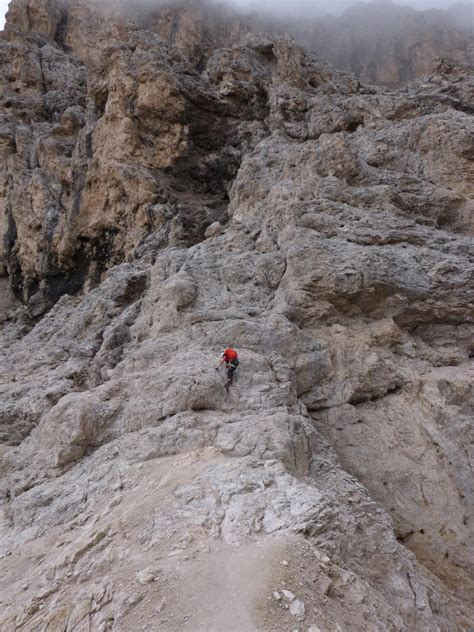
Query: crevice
{"points": [[412, 589], [61, 29], [356, 399]]}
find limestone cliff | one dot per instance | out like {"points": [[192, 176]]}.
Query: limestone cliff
{"points": [[159, 203]]}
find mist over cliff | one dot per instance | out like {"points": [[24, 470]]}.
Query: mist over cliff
{"points": [[391, 44], [382, 41]]}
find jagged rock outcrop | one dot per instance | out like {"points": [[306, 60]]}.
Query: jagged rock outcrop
{"points": [[196, 28], [90, 153], [156, 212]]}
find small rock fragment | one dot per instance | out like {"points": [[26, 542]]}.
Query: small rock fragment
{"points": [[115, 501], [161, 605], [297, 609], [277, 595], [288, 595], [50, 573], [324, 585], [214, 230], [146, 576]]}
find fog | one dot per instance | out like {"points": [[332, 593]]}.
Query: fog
{"points": [[305, 7], [292, 7]]}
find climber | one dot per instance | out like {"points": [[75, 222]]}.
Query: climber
{"points": [[231, 359]]}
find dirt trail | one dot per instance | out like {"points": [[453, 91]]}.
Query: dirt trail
{"points": [[225, 590]]}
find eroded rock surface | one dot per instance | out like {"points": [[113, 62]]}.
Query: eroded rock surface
{"points": [[155, 212]]}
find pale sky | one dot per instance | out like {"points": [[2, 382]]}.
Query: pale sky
{"points": [[3, 10]]}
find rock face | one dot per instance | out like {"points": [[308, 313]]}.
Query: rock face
{"points": [[104, 160], [156, 209]]}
